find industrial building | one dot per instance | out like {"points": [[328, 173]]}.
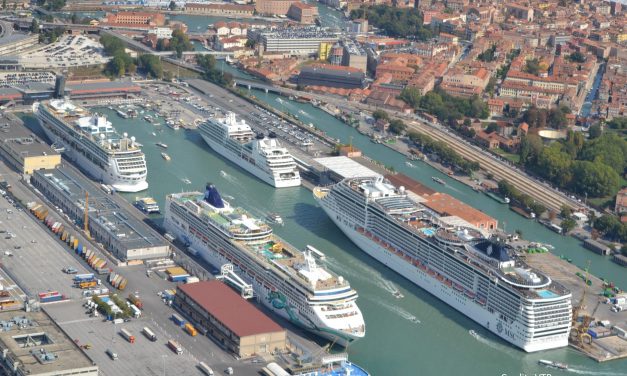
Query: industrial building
{"points": [[23, 150], [122, 235], [332, 76], [295, 40], [230, 319], [32, 344], [354, 56], [329, 170]]}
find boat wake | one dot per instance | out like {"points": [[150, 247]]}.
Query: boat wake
{"points": [[302, 112], [365, 274], [399, 312], [409, 164], [227, 177], [591, 372], [279, 100], [390, 287], [186, 181]]}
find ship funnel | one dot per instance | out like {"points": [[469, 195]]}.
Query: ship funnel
{"points": [[213, 197]]}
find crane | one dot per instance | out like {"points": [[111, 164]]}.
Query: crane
{"points": [[580, 331]]}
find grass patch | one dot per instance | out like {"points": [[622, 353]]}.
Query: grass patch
{"points": [[94, 71], [514, 158], [180, 71]]}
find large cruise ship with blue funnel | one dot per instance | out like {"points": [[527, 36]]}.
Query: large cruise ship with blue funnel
{"points": [[286, 280], [479, 276]]}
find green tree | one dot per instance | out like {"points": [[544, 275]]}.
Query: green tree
{"points": [[151, 65], [396, 22], [116, 67], [618, 123], [172, 5], [555, 165], [380, 114], [566, 211], [623, 249], [537, 208], [532, 66], [397, 126], [411, 96], [568, 225], [34, 26], [609, 149], [594, 179], [577, 57], [530, 148], [492, 127], [595, 131]]}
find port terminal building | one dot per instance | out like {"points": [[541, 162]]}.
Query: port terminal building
{"points": [[231, 320], [32, 344], [23, 150], [124, 236]]}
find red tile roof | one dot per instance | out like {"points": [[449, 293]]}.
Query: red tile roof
{"points": [[238, 315]]}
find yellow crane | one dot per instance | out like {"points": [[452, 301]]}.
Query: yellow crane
{"points": [[580, 331]]}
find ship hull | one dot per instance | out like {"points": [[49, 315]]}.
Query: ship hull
{"points": [[449, 295], [107, 176], [262, 293], [265, 176]]}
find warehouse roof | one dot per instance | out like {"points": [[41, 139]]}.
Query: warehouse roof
{"points": [[238, 315], [345, 167], [19, 139]]}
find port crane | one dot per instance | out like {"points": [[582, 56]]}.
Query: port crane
{"points": [[580, 332], [227, 274]]}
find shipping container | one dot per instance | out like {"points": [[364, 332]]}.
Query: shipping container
{"points": [[79, 249], [116, 280], [192, 280], [122, 284], [149, 334], [83, 277], [175, 347], [64, 236], [179, 278], [87, 284], [136, 312], [178, 320], [102, 271], [112, 277], [189, 328], [126, 334], [75, 244]]}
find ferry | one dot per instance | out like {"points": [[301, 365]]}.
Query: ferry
{"points": [[162, 145], [165, 156], [147, 204], [286, 280], [173, 125], [466, 267], [502, 200], [438, 180], [262, 156], [90, 141], [550, 363], [122, 114]]}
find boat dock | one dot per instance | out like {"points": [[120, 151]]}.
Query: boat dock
{"points": [[601, 348]]}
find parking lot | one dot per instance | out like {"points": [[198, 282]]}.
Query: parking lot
{"points": [[68, 51]]}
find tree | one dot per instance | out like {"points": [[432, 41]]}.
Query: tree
{"points": [[116, 67], [492, 127], [554, 164], [532, 66], [395, 22], [151, 64], [566, 211], [618, 123], [623, 249], [172, 5], [594, 179], [568, 225], [609, 149], [4, 4], [380, 114], [595, 131], [411, 96], [397, 126], [34, 26], [537, 208], [577, 57]]}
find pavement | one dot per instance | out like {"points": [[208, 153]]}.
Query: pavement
{"points": [[68, 51]]}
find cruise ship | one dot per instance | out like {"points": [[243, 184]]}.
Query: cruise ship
{"points": [[93, 144], [262, 156], [479, 276], [286, 280]]}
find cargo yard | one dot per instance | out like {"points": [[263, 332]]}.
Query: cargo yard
{"points": [[595, 316]]}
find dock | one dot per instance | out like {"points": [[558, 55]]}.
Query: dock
{"points": [[600, 349]]}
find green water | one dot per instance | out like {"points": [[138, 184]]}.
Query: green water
{"points": [[395, 343]]}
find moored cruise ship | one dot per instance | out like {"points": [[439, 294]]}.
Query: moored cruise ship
{"points": [[93, 144], [262, 156], [286, 280], [478, 276]]}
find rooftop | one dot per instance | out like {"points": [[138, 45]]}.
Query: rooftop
{"points": [[445, 204], [130, 232], [39, 346], [17, 137], [228, 307], [345, 167]]}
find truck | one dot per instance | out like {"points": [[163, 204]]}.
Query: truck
{"points": [[50, 296], [189, 328], [134, 299], [83, 277], [205, 369], [87, 284], [178, 320], [175, 347], [113, 355], [149, 334], [70, 270], [127, 335], [136, 312]]}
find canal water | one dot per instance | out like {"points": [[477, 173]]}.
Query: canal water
{"points": [[417, 334]]}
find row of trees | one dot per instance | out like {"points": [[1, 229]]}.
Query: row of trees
{"points": [[396, 22], [211, 73], [123, 63], [519, 198], [612, 228], [444, 152], [488, 55], [592, 168], [179, 43], [541, 118], [397, 126], [445, 106], [52, 5]]}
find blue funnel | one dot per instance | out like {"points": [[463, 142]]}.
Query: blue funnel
{"points": [[213, 197]]}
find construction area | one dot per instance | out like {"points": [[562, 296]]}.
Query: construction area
{"points": [[599, 327]]}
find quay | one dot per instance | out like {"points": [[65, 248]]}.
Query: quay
{"points": [[591, 303]]}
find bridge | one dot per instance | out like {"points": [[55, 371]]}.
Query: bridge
{"points": [[227, 274]]}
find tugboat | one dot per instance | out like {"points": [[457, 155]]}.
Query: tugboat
{"points": [[438, 180], [550, 363], [165, 156], [275, 218], [161, 144]]}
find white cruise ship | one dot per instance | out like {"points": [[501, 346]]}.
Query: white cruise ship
{"points": [[92, 143], [286, 280], [480, 277], [263, 157]]}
